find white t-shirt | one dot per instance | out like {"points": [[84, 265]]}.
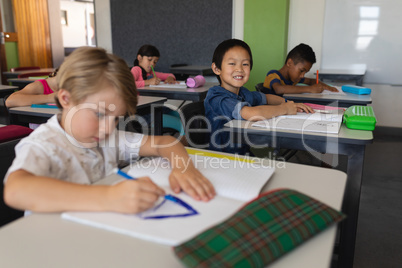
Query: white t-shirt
{"points": [[49, 151]]}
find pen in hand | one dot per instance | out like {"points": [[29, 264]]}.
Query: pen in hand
{"points": [[167, 196], [153, 71]]}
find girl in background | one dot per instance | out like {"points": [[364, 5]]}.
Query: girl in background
{"points": [[147, 57]]}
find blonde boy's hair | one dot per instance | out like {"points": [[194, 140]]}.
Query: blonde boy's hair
{"points": [[86, 69]]}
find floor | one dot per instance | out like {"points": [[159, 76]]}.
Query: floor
{"points": [[379, 232]]}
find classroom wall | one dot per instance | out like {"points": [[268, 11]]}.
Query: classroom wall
{"points": [[305, 24], [266, 32], [185, 33], [74, 33], [306, 21]]}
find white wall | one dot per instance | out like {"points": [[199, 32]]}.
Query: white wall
{"points": [[55, 32], [306, 24], [103, 24], [74, 34]]}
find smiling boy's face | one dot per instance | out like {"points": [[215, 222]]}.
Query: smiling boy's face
{"points": [[235, 69]]}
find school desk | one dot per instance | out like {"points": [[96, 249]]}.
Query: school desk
{"points": [[7, 90], [177, 93], [46, 238], [349, 142], [192, 70], [27, 114], [352, 74], [21, 82], [331, 99], [16, 73]]}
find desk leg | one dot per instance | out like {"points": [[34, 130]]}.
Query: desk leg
{"points": [[157, 119], [350, 206]]}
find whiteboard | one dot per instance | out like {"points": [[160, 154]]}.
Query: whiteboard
{"points": [[364, 33]]}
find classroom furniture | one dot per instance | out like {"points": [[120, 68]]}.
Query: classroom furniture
{"points": [[349, 142], [196, 125], [179, 75], [7, 90], [34, 74], [26, 68], [27, 114], [4, 114], [192, 70], [176, 93], [355, 75], [15, 74], [9, 137], [259, 87], [68, 244], [21, 82], [331, 99]]}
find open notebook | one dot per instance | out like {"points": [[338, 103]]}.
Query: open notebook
{"points": [[340, 91], [181, 84], [327, 121], [236, 181]]}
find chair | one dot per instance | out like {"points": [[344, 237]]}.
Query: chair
{"points": [[179, 76], [196, 125], [27, 68], [259, 87], [4, 114], [9, 137], [34, 74]]}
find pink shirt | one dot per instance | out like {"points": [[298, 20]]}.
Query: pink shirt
{"points": [[46, 89], [139, 81]]}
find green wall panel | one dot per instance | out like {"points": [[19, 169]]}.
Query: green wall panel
{"points": [[11, 55], [266, 32]]}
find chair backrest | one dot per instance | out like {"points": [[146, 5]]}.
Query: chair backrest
{"points": [[10, 136], [180, 76], [34, 74], [27, 68], [259, 87], [196, 126], [4, 114]]}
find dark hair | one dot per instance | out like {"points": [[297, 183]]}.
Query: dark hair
{"points": [[301, 53], [223, 47], [147, 50]]}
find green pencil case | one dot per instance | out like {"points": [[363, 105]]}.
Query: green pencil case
{"points": [[359, 117], [260, 232]]}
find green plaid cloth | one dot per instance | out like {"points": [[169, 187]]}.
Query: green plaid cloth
{"points": [[260, 232]]}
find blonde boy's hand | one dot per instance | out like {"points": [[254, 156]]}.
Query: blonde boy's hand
{"points": [[131, 196], [192, 182], [170, 80]]}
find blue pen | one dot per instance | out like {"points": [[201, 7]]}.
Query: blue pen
{"points": [[167, 197]]}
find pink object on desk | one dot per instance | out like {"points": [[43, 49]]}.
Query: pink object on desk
{"points": [[323, 107], [197, 81]]}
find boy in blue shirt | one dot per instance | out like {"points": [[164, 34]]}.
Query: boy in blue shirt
{"points": [[284, 81], [232, 62]]}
